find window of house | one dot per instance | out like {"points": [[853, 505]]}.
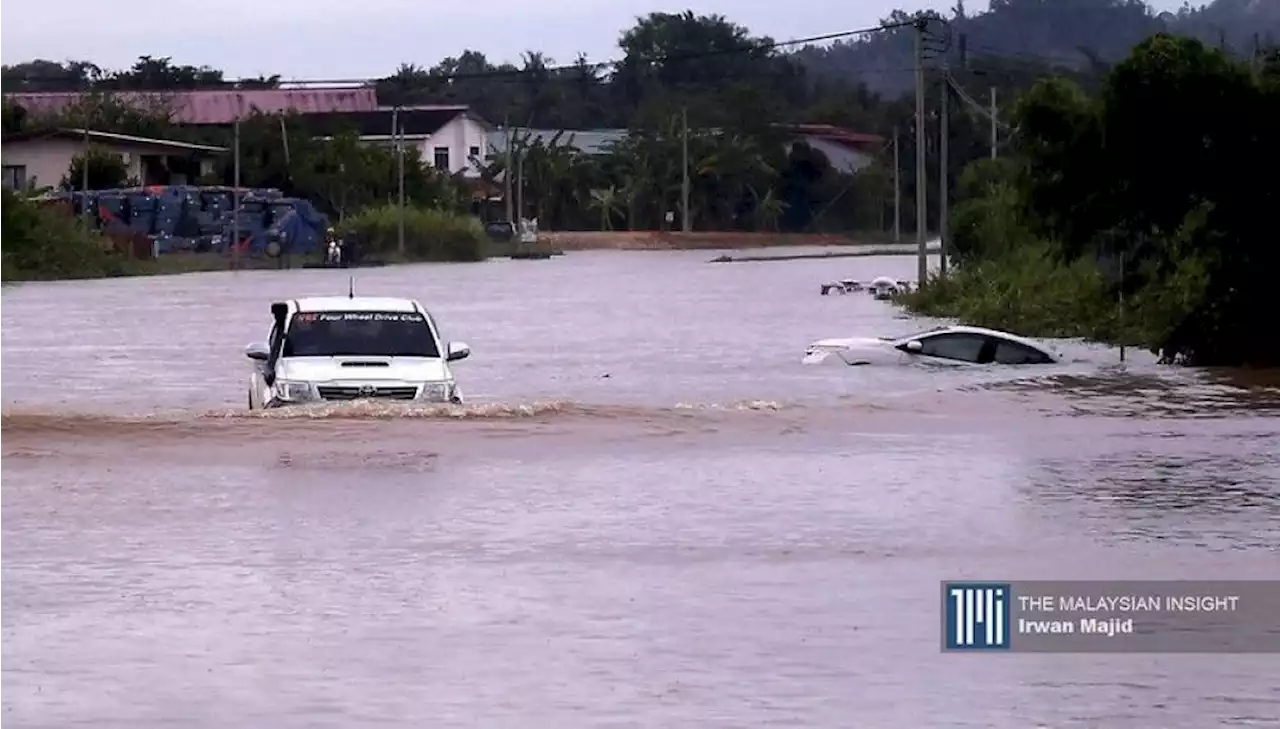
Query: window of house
{"points": [[15, 177], [441, 158], [475, 153]]}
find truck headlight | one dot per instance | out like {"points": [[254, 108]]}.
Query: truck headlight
{"points": [[436, 391], [295, 391]]}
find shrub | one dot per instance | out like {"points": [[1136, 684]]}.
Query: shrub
{"points": [[1026, 290], [46, 242], [106, 170], [429, 234], [988, 226]]}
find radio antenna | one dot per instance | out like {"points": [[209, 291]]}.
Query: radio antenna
{"points": [[351, 287]]}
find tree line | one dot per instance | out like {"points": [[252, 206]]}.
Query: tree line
{"points": [[1139, 213], [733, 87]]}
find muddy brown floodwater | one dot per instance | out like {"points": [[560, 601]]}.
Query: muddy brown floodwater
{"points": [[650, 514]]}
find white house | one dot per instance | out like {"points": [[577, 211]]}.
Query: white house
{"points": [[41, 159], [449, 138]]}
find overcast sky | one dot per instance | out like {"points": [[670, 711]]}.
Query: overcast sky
{"points": [[341, 39]]}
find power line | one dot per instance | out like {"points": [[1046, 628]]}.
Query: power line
{"points": [[615, 64], [1026, 57], [599, 66]]}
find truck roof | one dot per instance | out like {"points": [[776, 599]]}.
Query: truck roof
{"points": [[356, 303]]}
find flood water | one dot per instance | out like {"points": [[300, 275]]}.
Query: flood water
{"points": [[649, 514]]}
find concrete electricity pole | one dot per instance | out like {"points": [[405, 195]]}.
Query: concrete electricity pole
{"points": [[995, 136], [507, 171], [685, 223], [399, 151], [944, 170], [400, 172], [922, 254], [235, 197], [897, 190]]}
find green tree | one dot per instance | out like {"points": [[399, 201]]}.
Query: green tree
{"points": [[107, 170], [1145, 173], [607, 202]]}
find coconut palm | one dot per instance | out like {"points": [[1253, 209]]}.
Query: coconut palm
{"points": [[608, 202], [769, 210]]}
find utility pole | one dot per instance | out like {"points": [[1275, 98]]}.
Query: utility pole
{"points": [[235, 196], [897, 190], [685, 223], [1256, 61], [284, 139], [520, 193], [922, 251], [400, 171], [342, 201], [1123, 334], [507, 171], [84, 172], [995, 134], [944, 172], [395, 146]]}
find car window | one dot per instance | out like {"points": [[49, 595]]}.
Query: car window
{"points": [[1013, 353], [273, 344], [963, 347]]}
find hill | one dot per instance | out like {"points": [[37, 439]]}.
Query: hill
{"points": [[1076, 34]]}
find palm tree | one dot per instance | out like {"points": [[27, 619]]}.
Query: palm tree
{"points": [[769, 209], [608, 202]]}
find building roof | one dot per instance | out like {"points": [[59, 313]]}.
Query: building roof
{"points": [[597, 141], [416, 120], [216, 106], [832, 133], [111, 138]]}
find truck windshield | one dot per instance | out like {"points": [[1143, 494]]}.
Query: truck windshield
{"points": [[359, 334]]}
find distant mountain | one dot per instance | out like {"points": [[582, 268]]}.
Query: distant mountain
{"points": [[1075, 34]]}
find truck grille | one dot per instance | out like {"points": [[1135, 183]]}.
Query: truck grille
{"points": [[351, 392]]}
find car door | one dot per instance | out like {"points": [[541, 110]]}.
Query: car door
{"points": [[953, 348], [264, 371]]}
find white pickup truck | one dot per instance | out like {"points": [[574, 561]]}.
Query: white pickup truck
{"points": [[352, 348]]}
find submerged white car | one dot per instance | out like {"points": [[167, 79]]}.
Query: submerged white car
{"points": [[953, 345], [882, 288], [352, 348]]}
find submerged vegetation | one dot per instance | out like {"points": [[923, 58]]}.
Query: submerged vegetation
{"points": [[1131, 215], [46, 243], [429, 234]]}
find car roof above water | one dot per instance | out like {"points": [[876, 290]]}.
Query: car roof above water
{"points": [[962, 329], [357, 303]]}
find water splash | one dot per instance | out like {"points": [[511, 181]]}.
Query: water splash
{"points": [[741, 406], [371, 410], [55, 424]]}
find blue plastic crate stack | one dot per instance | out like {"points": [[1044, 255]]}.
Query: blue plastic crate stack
{"points": [[188, 218]]}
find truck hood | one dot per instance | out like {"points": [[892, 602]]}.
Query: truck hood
{"points": [[363, 369]]}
